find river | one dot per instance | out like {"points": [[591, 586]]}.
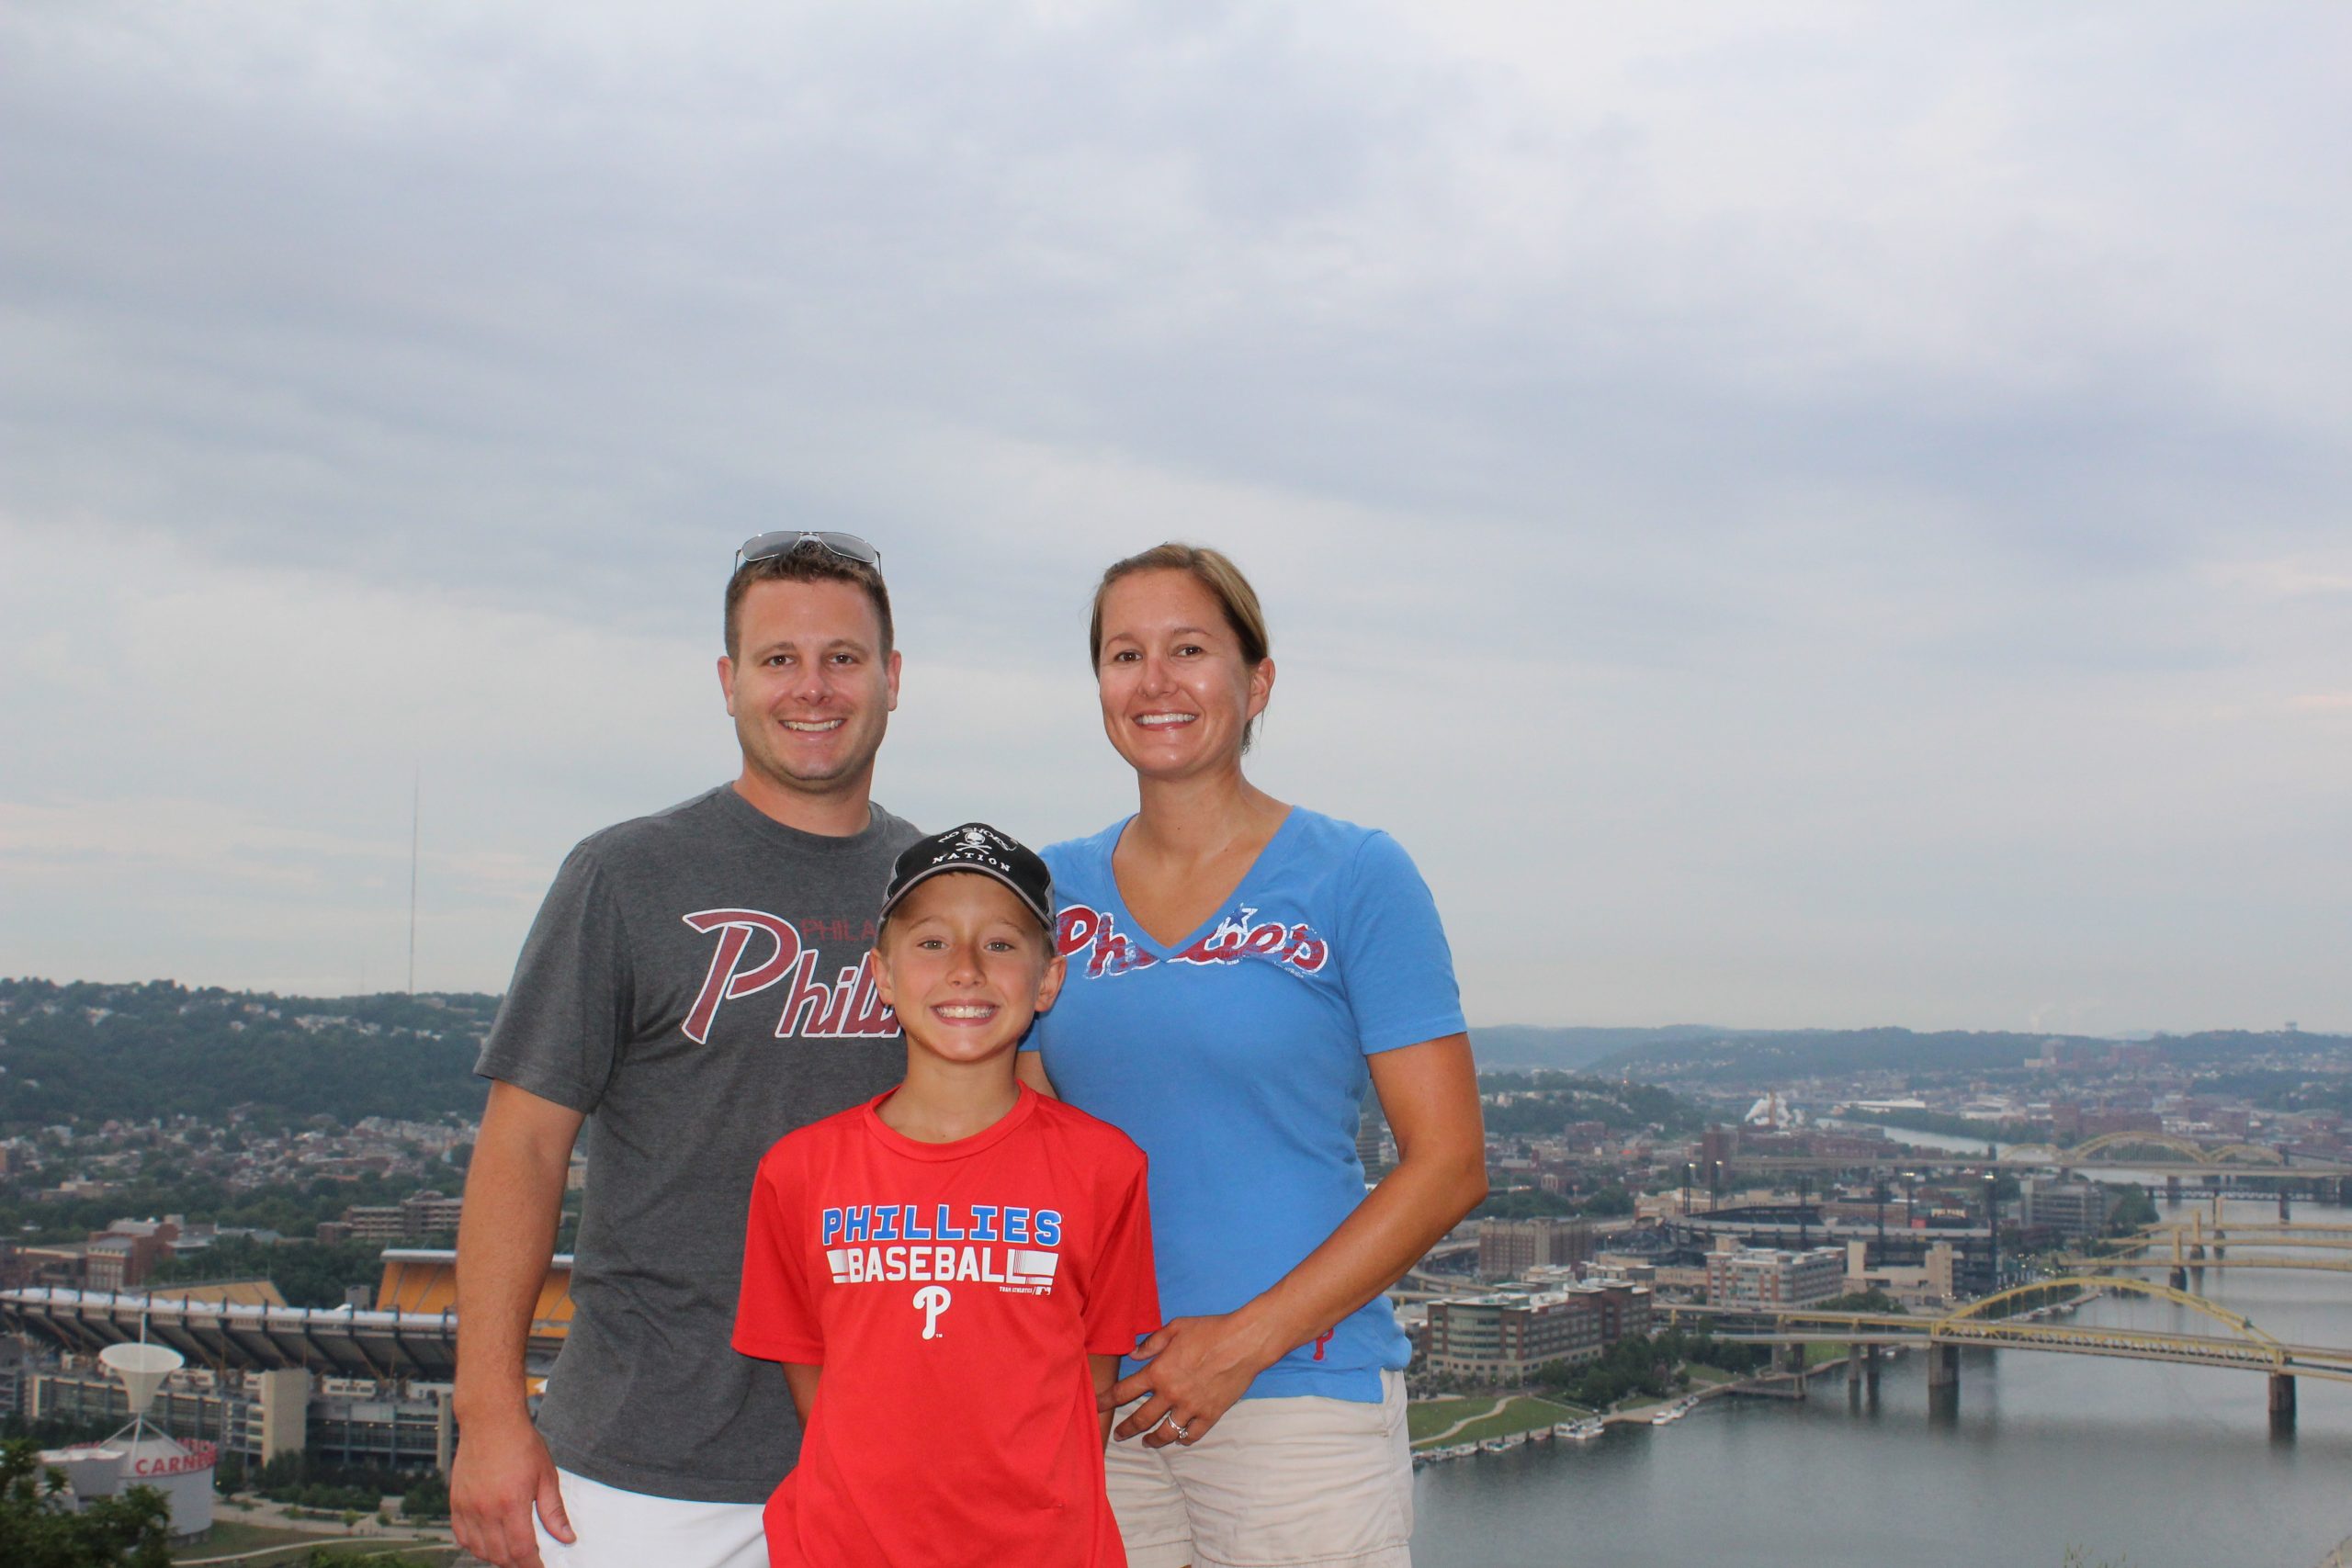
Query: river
{"points": [[2167, 1467]]}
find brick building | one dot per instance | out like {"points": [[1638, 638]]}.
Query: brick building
{"points": [[427, 1214], [1509, 1248]]}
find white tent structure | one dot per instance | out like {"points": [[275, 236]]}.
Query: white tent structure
{"points": [[143, 1454]]}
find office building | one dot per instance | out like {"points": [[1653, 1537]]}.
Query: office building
{"points": [[1771, 1277]]}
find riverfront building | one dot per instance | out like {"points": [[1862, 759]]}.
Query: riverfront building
{"points": [[2074, 1210], [1767, 1277], [1505, 1335]]}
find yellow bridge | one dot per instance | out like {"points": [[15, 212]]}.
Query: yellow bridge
{"points": [[2179, 1247], [2212, 1157], [2001, 1322]]}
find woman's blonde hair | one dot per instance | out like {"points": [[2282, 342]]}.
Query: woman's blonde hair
{"points": [[1213, 570]]}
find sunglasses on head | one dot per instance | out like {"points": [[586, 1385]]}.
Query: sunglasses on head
{"points": [[784, 541]]}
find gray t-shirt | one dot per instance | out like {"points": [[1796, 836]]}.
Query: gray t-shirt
{"points": [[698, 983]]}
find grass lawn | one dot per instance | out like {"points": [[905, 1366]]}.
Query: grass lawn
{"points": [[1706, 1377], [228, 1537], [1427, 1418], [432, 1554], [1524, 1413]]}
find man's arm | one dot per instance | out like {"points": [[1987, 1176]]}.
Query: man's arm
{"points": [[1105, 1371], [505, 1237]]}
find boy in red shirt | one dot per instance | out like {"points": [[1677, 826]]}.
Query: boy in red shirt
{"points": [[950, 1273]]}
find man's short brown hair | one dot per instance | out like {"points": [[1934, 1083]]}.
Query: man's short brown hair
{"points": [[807, 562]]}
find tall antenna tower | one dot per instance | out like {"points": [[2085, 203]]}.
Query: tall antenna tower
{"points": [[415, 820]]}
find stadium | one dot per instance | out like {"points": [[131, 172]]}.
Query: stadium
{"points": [[349, 1385]]}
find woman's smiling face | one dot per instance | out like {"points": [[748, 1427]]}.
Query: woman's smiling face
{"points": [[1177, 693]]}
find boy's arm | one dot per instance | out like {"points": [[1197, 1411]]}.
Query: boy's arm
{"points": [[801, 1378], [1105, 1370]]}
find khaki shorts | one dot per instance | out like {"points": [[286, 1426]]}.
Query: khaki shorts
{"points": [[1275, 1482]]}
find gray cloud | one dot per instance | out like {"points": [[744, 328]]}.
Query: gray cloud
{"points": [[1796, 515]]}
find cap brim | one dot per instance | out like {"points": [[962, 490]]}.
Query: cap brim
{"points": [[968, 868]]}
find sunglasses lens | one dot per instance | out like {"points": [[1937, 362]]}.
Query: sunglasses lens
{"points": [[760, 547], [850, 545], [784, 541]]}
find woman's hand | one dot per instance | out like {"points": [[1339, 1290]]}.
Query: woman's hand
{"points": [[1198, 1367]]}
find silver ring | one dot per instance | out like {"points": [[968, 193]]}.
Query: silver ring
{"points": [[1179, 1427]]}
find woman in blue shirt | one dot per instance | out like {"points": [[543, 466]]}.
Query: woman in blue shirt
{"points": [[1239, 968]]}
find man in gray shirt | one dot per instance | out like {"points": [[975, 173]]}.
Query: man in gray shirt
{"points": [[695, 985]]}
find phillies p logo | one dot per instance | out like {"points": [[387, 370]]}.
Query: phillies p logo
{"points": [[729, 976], [931, 1301], [757, 950]]}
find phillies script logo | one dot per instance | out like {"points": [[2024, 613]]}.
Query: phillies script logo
{"points": [[1238, 935], [757, 950]]}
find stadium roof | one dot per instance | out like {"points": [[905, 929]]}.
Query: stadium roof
{"points": [[412, 1332]]}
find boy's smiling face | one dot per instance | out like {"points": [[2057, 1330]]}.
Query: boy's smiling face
{"points": [[966, 967]]}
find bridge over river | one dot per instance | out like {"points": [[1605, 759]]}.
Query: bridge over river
{"points": [[2186, 1248], [2243, 1169], [2014, 1320]]}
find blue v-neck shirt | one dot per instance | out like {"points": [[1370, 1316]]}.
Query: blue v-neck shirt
{"points": [[1236, 1058]]}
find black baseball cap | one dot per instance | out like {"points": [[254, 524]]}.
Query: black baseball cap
{"points": [[974, 847]]}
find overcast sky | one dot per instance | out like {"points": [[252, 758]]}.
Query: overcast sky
{"points": [[1794, 513]]}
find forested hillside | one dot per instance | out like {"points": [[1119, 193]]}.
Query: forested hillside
{"points": [[92, 1052]]}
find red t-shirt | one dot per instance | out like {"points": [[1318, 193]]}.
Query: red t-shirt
{"points": [[952, 1292]]}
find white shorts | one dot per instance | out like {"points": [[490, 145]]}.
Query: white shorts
{"points": [[1277, 1482], [631, 1529]]}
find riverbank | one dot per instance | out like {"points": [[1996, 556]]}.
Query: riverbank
{"points": [[1442, 1423]]}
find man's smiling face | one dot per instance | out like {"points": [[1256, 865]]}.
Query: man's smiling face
{"points": [[810, 688]]}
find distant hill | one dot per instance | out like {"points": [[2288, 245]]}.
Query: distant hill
{"points": [[1573, 1050], [1750, 1058], [134, 1053]]}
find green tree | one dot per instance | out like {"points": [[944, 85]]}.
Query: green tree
{"points": [[38, 1531], [307, 1273], [428, 1499], [1609, 1203], [2133, 1208]]}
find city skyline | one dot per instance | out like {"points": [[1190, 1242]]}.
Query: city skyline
{"points": [[1794, 518]]}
